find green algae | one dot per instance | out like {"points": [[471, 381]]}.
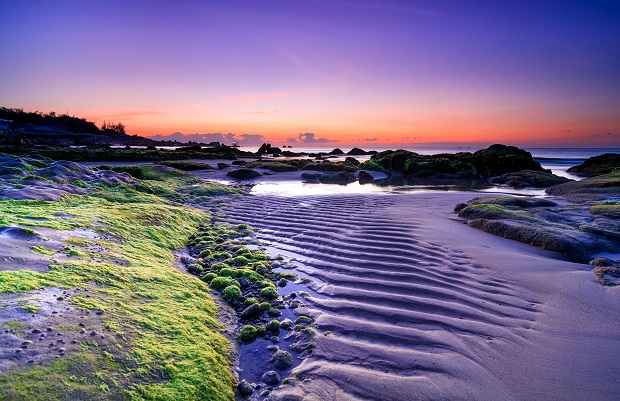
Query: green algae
{"points": [[167, 341]]}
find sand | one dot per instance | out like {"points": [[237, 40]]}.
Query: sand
{"points": [[416, 305]]}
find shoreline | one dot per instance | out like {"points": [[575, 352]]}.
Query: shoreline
{"points": [[397, 296], [519, 267]]}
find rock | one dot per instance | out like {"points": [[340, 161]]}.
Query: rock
{"points": [[360, 152], [460, 207], [222, 165], [271, 378], [274, 312], [282, 359], [352, 161], [310, 176], [336, 151], [273, 326], [365, 176], [590, 189], [282, 282], [239, 163], [245, 388], [243, 174], [244, 283], [605, 262], [286, 324], [337, 178], [597, 165], [36, 331], [250, 312], [528, 179], [493, 161], [195, 268]]}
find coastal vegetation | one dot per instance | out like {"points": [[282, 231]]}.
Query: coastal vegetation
{"points": [[154, 332]]}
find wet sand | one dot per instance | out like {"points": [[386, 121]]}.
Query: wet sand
{"points": [[416, 305]]}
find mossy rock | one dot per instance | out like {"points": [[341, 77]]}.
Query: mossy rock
{"points": [[231, 293], [247, 334], [273, 326], [223, 282]]}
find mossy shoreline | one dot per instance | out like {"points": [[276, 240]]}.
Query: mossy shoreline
{"points": [[160, 337]]}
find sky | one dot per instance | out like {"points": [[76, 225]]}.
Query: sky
{"points": [[323, 72]]}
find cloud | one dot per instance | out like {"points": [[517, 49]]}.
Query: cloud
{"points": [[369, 139], [291, 139], [252, 139], [308, 137]]}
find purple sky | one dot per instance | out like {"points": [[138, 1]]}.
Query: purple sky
{"points": [[543, 72]]}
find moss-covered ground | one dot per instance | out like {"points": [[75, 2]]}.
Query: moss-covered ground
{"points": [[166, 340]]}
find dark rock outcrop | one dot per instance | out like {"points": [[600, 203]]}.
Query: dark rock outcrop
{"points": [[365, 176], [493, 161], [528, 179], [360, 152], [243, 174], [597, 165], [336, 151], [577, 231], [337, 178]]}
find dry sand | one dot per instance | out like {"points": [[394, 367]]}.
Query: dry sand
{"points": [[418, 305]]}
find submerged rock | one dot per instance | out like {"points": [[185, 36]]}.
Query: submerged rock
{"points": [[282, 359], [271, 378]]}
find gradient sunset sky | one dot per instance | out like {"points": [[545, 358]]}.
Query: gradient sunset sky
{"points": [[364, 73]]}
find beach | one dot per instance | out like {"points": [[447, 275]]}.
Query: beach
{"points": [[364, 291], [413, 304]]}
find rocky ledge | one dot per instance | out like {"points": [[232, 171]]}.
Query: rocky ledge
{"points": [[582, 222], [484, 163]]}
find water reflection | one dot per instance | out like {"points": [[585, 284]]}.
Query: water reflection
{"points": [[388, 185]]}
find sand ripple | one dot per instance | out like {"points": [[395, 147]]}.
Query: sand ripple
{"points": [[402, 318]]}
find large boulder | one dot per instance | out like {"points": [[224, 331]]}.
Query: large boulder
{"points": [[597, 165], [528, 179]]}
